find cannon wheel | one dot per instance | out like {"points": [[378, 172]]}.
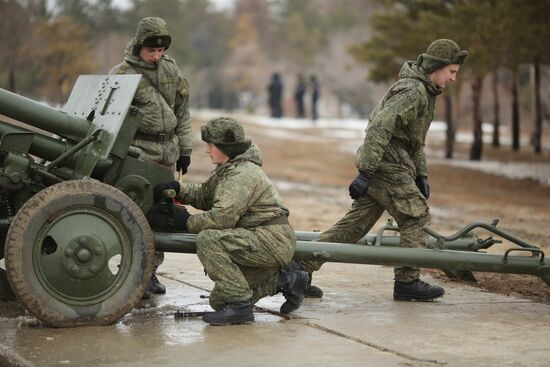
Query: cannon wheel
{"points": [[79, 253]]}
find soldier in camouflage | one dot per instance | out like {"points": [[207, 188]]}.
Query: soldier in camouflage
{"points": [[392, 165], [244, 239], [164, 134]]}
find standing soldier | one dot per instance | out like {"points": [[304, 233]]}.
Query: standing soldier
{"points": [[392, 165], [244, 240], [299, 93], [275, 95], [315, 94], [164, 135]]}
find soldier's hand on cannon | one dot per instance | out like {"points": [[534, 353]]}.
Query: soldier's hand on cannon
{"points": [[183, 163], [422, 184], [359, 186], [158, 190]]}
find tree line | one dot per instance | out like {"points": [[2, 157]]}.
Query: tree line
{"points": [[499, 34], [352, 45], [223, 53]]}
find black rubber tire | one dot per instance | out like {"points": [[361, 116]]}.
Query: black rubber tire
{"points": [[77, 198]]}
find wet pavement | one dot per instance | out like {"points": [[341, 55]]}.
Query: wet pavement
{"points": [[355, 324]]}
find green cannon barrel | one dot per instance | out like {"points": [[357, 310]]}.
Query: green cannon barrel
{"points": [[42, 116], [42, 146]]}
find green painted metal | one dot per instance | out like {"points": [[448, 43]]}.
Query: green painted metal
{"points": [[42, 146], [43, 117], [388, 254], [468, 228], [466, 243], [79, 253], [72, 263], [104, 100], [98, 145], [463, 241], [108, 99]]}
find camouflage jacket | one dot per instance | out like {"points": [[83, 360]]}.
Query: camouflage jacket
{"points": [[397, 128], [164, 105], [237, 194]]}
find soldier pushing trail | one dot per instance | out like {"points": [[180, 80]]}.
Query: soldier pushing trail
{"points": [[391, 163]]}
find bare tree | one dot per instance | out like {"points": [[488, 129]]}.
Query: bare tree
{"points": [[477, 145]]}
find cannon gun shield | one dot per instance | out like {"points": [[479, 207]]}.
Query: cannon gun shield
{"points": [[79, 252]]}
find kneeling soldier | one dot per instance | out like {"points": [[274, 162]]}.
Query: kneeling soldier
{"points": [[244, 239]]}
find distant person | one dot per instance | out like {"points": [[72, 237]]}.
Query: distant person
{"points": [[275, 92], [299, 93], [391, 163], [315, 93], [164, 133], [244, 240]]}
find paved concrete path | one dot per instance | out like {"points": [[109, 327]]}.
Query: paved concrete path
{"points": [[355, 324]]}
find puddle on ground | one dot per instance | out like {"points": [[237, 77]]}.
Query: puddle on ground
{"points": [[152, 326]]}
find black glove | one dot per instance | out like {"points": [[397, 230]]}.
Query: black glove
{"points": [[159, 188], [422, 184], [359, 186], [183, 163], [180, 218]]}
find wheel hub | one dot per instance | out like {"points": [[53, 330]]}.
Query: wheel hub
{"points": [[84, 257], [74, 252]]}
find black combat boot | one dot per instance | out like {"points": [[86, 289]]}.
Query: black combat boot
{"points": [[293, 284], [156, 287], [311, 291], [417, 290], [231, 314]]}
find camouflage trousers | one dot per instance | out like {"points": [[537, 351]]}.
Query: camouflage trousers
{"points": [[403, 201], [244, 263]]}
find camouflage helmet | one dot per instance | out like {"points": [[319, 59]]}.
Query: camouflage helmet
{"points": [[227, 135], [440, 53], [152, 32]]}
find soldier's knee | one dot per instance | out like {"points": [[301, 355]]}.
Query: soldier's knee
{"points": [[207, 241], [412, 234]]}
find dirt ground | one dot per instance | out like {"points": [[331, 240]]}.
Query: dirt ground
{"points": [[313, 174]]}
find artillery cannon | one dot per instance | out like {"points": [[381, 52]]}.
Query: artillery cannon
{"points": [[77, 213], [78, 248]]}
